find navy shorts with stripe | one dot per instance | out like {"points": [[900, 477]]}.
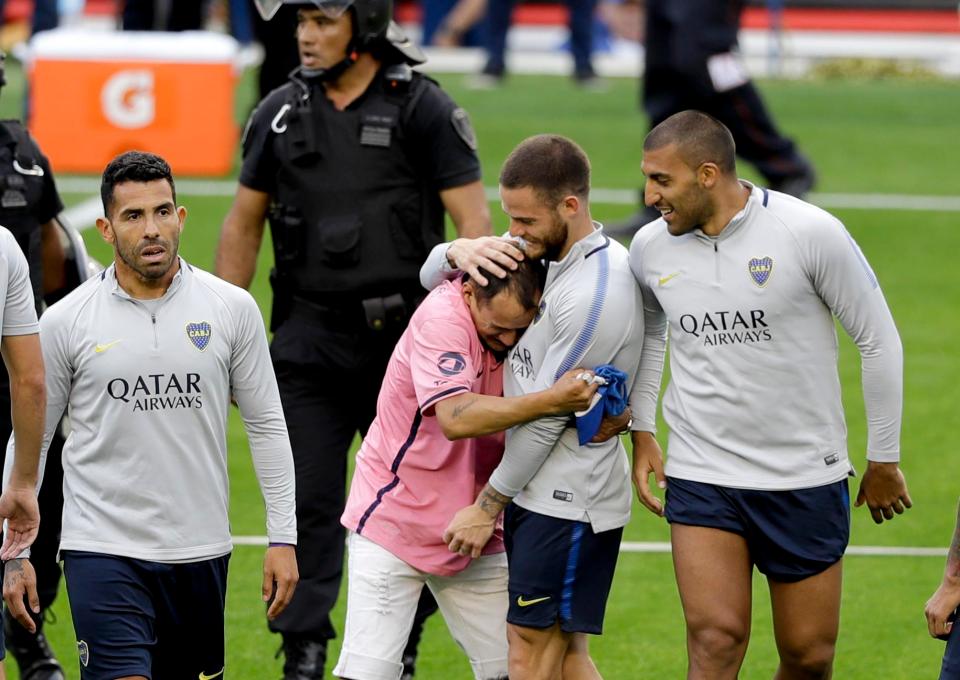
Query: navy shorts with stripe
{"points": [[560, 570], [791, 535], [135, 617]]}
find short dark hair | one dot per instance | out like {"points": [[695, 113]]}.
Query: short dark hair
{"points": [[552, 165], [699, 137], [133, 166], [525, 282]]}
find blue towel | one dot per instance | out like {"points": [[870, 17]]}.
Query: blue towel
{"points": [[612, 402]]}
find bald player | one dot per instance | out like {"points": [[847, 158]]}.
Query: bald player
{"points": [[749, 281]]}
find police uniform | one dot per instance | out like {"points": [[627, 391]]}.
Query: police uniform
{"points": [[29, 199], [356, 209]]}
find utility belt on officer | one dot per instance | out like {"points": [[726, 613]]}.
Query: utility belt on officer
{"points": [[378, 313]]}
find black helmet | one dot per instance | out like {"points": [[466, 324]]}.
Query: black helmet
{"points": [[371, 17]]}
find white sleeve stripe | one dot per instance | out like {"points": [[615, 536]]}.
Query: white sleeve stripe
{"points": [[579, 347]]}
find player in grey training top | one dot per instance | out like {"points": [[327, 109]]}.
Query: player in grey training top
{"points": [[147, 357], [749, 282], [20, 346], [570, 501]]}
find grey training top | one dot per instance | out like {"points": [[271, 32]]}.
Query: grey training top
{"points": [[16, 293], [754, 396], [148, 392]]}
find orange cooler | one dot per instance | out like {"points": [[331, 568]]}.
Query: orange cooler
{"points": [[94, 95]]}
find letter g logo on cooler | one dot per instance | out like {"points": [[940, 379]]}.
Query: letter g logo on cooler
{"points": [[128, 99]]}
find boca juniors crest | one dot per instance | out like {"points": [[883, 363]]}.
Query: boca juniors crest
{"points": [[84, 652], [760, 268], [199, 334], [540, 311]]}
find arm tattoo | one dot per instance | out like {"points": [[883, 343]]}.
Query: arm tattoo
{"points": [[460, 408], [14, 567], [492, 501], [953, 555]]}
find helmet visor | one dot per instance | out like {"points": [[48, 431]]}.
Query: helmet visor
{"points": [[332, 9]]}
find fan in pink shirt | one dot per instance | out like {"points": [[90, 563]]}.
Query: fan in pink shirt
{"points": [[437, 437]]}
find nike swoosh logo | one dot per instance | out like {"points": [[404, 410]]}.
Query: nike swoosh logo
{"points": [[204, 676], [103, 348], [527, 603], [663, 279]]}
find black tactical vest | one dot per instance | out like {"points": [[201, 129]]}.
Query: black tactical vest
{"points": [[353, 212], [21, 188]]}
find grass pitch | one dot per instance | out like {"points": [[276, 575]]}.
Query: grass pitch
{"points": [[865, 137]]}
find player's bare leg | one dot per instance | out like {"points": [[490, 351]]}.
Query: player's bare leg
{"points": [[714, 573], [536, 654], [577, 664], [806, 621]]}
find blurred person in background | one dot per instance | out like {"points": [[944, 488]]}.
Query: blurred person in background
{"points": [[453, 23], [163, 15], [498, 20], [693, 62], [355, 160]]}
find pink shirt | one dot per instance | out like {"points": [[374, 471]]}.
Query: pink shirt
{"points": [[410, 479]]}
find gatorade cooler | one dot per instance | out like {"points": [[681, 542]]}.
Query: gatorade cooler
{"points": [[95, 95]]}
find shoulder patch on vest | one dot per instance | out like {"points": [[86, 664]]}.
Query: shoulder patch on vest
{"points": [[461, 123]]}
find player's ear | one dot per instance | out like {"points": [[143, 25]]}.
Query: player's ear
{"points": [[181, 215], [106, 229], [707, 174], [467, 291], [569, 205]]}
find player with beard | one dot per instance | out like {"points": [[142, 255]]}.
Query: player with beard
{"points": [[570, 502], [437, 436], [147, 357]]}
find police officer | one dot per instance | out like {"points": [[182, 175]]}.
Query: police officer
{"points": [[354, 160], [29, 204]]}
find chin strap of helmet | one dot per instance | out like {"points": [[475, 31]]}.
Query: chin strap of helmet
{"points": [[330, 74]]}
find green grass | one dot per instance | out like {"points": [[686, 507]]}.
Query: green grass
{"points": [[881, 137]]}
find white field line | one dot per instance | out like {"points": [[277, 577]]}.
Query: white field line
{"points": [[84, 214], [634, 547], [600, 195]]}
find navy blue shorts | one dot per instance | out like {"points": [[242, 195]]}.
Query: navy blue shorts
{"points": [[560, 570], [134, 617], [792, 535]]}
